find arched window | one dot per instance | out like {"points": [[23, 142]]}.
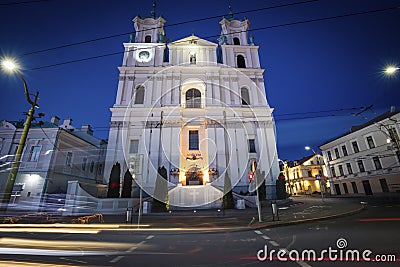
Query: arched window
{"points": [[193, 98], [245, 96], [147, 39], [240, 62], [236, 41], [139, 98]]}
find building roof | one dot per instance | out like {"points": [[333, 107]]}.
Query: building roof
{"points": [[356, 128]]}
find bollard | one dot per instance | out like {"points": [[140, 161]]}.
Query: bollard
{"points": [[129, 215], [275, 213]]}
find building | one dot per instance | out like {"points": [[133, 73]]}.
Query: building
{"points": [[196, 108], [53, 155], [365, 160], [306, 176]]}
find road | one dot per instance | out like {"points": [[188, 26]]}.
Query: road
{"points": [[376, 229]]}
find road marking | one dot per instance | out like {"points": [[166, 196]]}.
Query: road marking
{"points": [[118, 258], [66, 259], [267, 230], [303, 264], [258, 232], [265, 237], [149, 237], [131, 249], [274, 243], [141, 243]]}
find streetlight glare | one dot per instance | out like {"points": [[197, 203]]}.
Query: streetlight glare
{"points": [[9, 65], [391, 70], [307, 148]]}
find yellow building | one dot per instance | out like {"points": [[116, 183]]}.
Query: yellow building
{"points": [[306, 176]]}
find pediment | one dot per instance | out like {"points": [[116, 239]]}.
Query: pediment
{"points": [[192, 40]]}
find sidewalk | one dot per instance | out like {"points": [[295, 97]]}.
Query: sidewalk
{"points": [[300, 210]]}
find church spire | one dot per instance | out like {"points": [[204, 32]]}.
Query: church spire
{"points": [[153, 12], [230, 15]]}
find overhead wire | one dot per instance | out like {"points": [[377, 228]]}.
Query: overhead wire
{"points": [[213, 36]]}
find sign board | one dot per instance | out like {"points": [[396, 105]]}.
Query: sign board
{"points": [[318, 176]]}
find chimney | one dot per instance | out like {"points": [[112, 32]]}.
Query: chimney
{"points": [[55, 120], [67, 124], [87, 129]]}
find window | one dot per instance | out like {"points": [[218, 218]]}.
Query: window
{"points": [[245, 96], [370, 142], [147, 39], [309, 173], [329, 156], [344, 149], [91, 167], [349, 169], [193, 59], [384, 185], [341, 170], [337, 153], [360, 165], [236, 41], [241, 63], [346, 190], [84, 162], [377, 163], [35, 152], [393, 135], [134, 146], [355, 147], [68, 160], [139, 97], [252, 146], [333, 171], [193, 140], [100, 169], [354, 186], [193, 98]]}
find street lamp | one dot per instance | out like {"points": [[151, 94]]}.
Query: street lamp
{"points": [[391, 70], [12, 67], [318, 176]]}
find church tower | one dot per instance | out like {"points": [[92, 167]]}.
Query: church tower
{"points": [[200, 124]]}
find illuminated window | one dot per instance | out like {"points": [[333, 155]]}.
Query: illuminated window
{"points": [[241, 63], [193, 140], [193, 98], [245, 96], [236, 41], [35, 152], [147, 39], [139, 97]]}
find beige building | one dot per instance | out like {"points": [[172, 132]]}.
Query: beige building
{"points": [[306, 176], [365, 160]]}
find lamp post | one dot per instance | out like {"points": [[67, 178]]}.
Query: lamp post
{"points": [[318, 176], [10, 66]]}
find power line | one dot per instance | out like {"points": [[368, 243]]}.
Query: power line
{"points": [[24, 2], [213, 36], [170, 25]]}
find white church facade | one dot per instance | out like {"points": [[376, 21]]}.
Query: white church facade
{"points": [[196, 108]]}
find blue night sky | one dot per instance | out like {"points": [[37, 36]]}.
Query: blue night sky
{"points": [[333, 64]]}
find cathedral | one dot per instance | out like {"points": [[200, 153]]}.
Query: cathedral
{"points": [[196, 110]]}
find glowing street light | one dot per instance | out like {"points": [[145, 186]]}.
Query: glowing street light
{"points": [[12, 67], [390, 70]]}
